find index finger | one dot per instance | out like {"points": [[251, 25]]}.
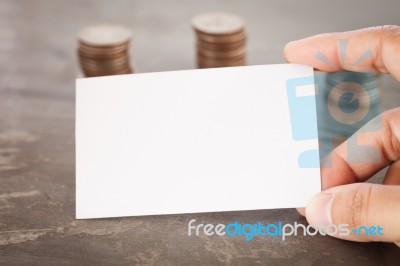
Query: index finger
{"points": [[351, 161], [371, 49]]}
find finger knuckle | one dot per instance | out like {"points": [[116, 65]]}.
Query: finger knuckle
{"points": [[356, 202], [393, 29], [389, 29], [391, 138]]}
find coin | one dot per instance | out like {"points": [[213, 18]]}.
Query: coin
{"points": [[221, 46], [101, 56], [114, 62], [223, 54], [214, 60], [104, 35], [104, 50], [217, 23], [220, 40], [90, 50], [91, 73]]}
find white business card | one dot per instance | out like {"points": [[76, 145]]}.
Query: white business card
{"points": [[194, 141]]}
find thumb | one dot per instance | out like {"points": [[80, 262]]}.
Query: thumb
{"points": [[363, 207]]}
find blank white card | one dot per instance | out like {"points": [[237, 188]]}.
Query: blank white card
{"points": [[190, 141]]}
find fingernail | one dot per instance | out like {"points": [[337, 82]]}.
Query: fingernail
{"points": [[318, 210]]}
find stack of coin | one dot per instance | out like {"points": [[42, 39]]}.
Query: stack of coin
{"points": [[221, 40], [104, 50]]}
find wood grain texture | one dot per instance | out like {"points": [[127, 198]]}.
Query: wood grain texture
{"points": [[38, 67]]}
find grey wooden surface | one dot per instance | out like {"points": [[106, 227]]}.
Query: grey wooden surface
{"points": [[38, 68]]}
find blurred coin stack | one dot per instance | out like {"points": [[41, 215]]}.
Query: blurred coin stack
{"points": [[221, 40], [104, 50]]}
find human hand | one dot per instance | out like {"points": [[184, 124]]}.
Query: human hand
{"points": [[344, 200]]}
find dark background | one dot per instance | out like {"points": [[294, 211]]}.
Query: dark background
{"points": [[38, 67]]}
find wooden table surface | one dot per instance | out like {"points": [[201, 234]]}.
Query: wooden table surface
{"points": [[38, 68]]}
